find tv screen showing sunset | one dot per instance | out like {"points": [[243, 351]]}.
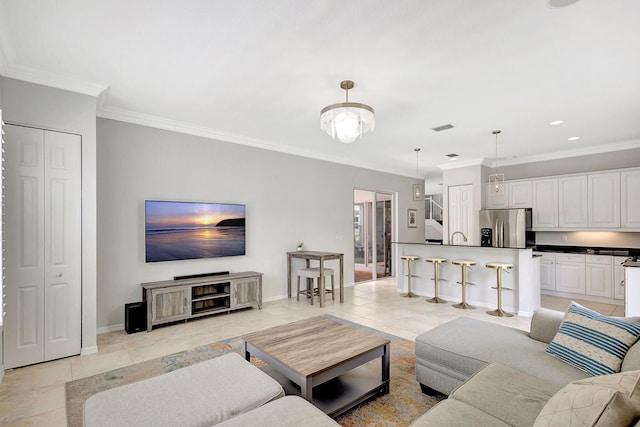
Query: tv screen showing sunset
{"points": [[188, 230]]}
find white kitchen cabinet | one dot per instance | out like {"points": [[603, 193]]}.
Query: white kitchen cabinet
{"points": [[572, 202], [570, 273], [495, 201], [599, 276], [547, 271], [630, 202], [604, 200], [545, 203], [618, 277], [519, 194]]}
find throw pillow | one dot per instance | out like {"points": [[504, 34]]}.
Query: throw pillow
{"points": [[627, 383], [592, 342], [587, 405]]}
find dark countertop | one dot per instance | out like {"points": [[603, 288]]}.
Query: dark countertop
{"points": [[588, 250]]}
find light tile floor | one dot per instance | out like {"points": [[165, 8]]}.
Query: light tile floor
{"points": [[35, 395]]}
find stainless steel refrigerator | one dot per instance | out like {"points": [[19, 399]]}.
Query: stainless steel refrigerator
{"points": [[506, 228]]}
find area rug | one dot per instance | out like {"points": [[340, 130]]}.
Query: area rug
{"points": [[400, 407]]}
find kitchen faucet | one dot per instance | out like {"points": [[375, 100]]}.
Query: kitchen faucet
{"points": [[464, 238]]}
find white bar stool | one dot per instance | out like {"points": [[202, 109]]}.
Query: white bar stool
{"points": [[465, 265], [499, 267], [310, 274], [410, 260], [436, 278]]}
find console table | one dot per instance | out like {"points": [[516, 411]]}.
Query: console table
{"points": [[321, 257], [172, 300]]}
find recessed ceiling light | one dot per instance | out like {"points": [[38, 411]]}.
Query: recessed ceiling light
{"points": [[556, 122], [573, 138]]}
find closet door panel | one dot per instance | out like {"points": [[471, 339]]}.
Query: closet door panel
{"points": [[24, 248], [63, 242]]}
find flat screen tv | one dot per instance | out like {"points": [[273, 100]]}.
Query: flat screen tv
{"points": [[189, 230]]}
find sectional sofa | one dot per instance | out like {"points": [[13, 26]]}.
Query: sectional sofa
{"points": [[501, 376]]}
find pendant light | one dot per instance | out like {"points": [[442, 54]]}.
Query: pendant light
{"points": [[496, 180], [418, 194], [347, 121]]}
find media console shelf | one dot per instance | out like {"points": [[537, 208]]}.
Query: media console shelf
{"points": [[172, 300]]}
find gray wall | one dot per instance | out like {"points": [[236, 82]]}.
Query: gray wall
{"points": [[289, 199], [49, 108]]}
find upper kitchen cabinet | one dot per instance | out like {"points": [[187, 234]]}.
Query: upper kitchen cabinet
{"points": [[519, 193], [630, 202], [495, 200], [572, 202], [545, 203], [604, 200]]}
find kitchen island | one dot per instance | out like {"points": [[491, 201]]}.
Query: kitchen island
{"points": [[523, 278]]}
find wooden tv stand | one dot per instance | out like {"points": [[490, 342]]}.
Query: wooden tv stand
{"points": [[172, 300]]}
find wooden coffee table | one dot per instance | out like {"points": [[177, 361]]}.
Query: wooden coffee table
{"points": [[321, 360]]}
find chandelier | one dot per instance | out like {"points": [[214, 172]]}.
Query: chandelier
{"points": [[347, 121], [496, 180]]}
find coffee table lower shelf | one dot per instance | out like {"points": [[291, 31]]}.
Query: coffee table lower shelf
{"points": [[340, 394]]}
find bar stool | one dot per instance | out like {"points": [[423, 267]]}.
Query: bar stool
{"points": [[310, 274], [410, 260], [499, 267], [436, 262], [464, 264]]}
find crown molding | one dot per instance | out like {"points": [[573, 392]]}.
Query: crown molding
{"points": [[583, 151], [31, 75], [455, 164], [123, 115]]}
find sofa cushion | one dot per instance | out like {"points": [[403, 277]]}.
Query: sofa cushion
{"points": [[592, 342], [507, 394], [453, 413], [545, 324], [582, 403], [290, 411], [631, 361]]}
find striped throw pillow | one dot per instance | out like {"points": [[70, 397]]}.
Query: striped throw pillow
{"points": [[592, 342]]}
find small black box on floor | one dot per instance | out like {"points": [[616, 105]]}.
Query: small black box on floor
{"points": [[135, 317]]}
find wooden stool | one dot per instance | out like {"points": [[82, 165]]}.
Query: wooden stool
{"points": [[436, 262], [499, 267], [310, 274], [464, 264], [410, 260]]}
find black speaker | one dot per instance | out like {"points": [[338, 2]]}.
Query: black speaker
{"points": [[135, 317]]}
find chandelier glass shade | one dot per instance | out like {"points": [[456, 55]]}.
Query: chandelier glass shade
{"points": [[347, 121]]}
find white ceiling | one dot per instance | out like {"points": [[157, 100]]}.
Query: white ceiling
{"points": [[258, 72]]}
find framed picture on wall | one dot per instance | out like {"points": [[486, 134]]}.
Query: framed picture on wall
{"points": [[412, 220]]}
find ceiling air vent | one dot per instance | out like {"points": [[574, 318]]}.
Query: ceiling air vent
{"points": [[452, 156], [443, 127]]}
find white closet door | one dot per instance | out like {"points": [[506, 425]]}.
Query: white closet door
{"points": [[42, 252], [63, 254]]}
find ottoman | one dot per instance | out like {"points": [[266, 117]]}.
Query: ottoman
{"points": [[203, 394]]}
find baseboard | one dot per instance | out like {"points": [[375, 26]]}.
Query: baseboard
{"points": [[110, 328], [84, 351]]}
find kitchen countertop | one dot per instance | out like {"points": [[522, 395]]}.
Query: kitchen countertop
{"points": [[588, 250]]}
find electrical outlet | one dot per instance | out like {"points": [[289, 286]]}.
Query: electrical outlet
{"points": [[563, 238]]}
